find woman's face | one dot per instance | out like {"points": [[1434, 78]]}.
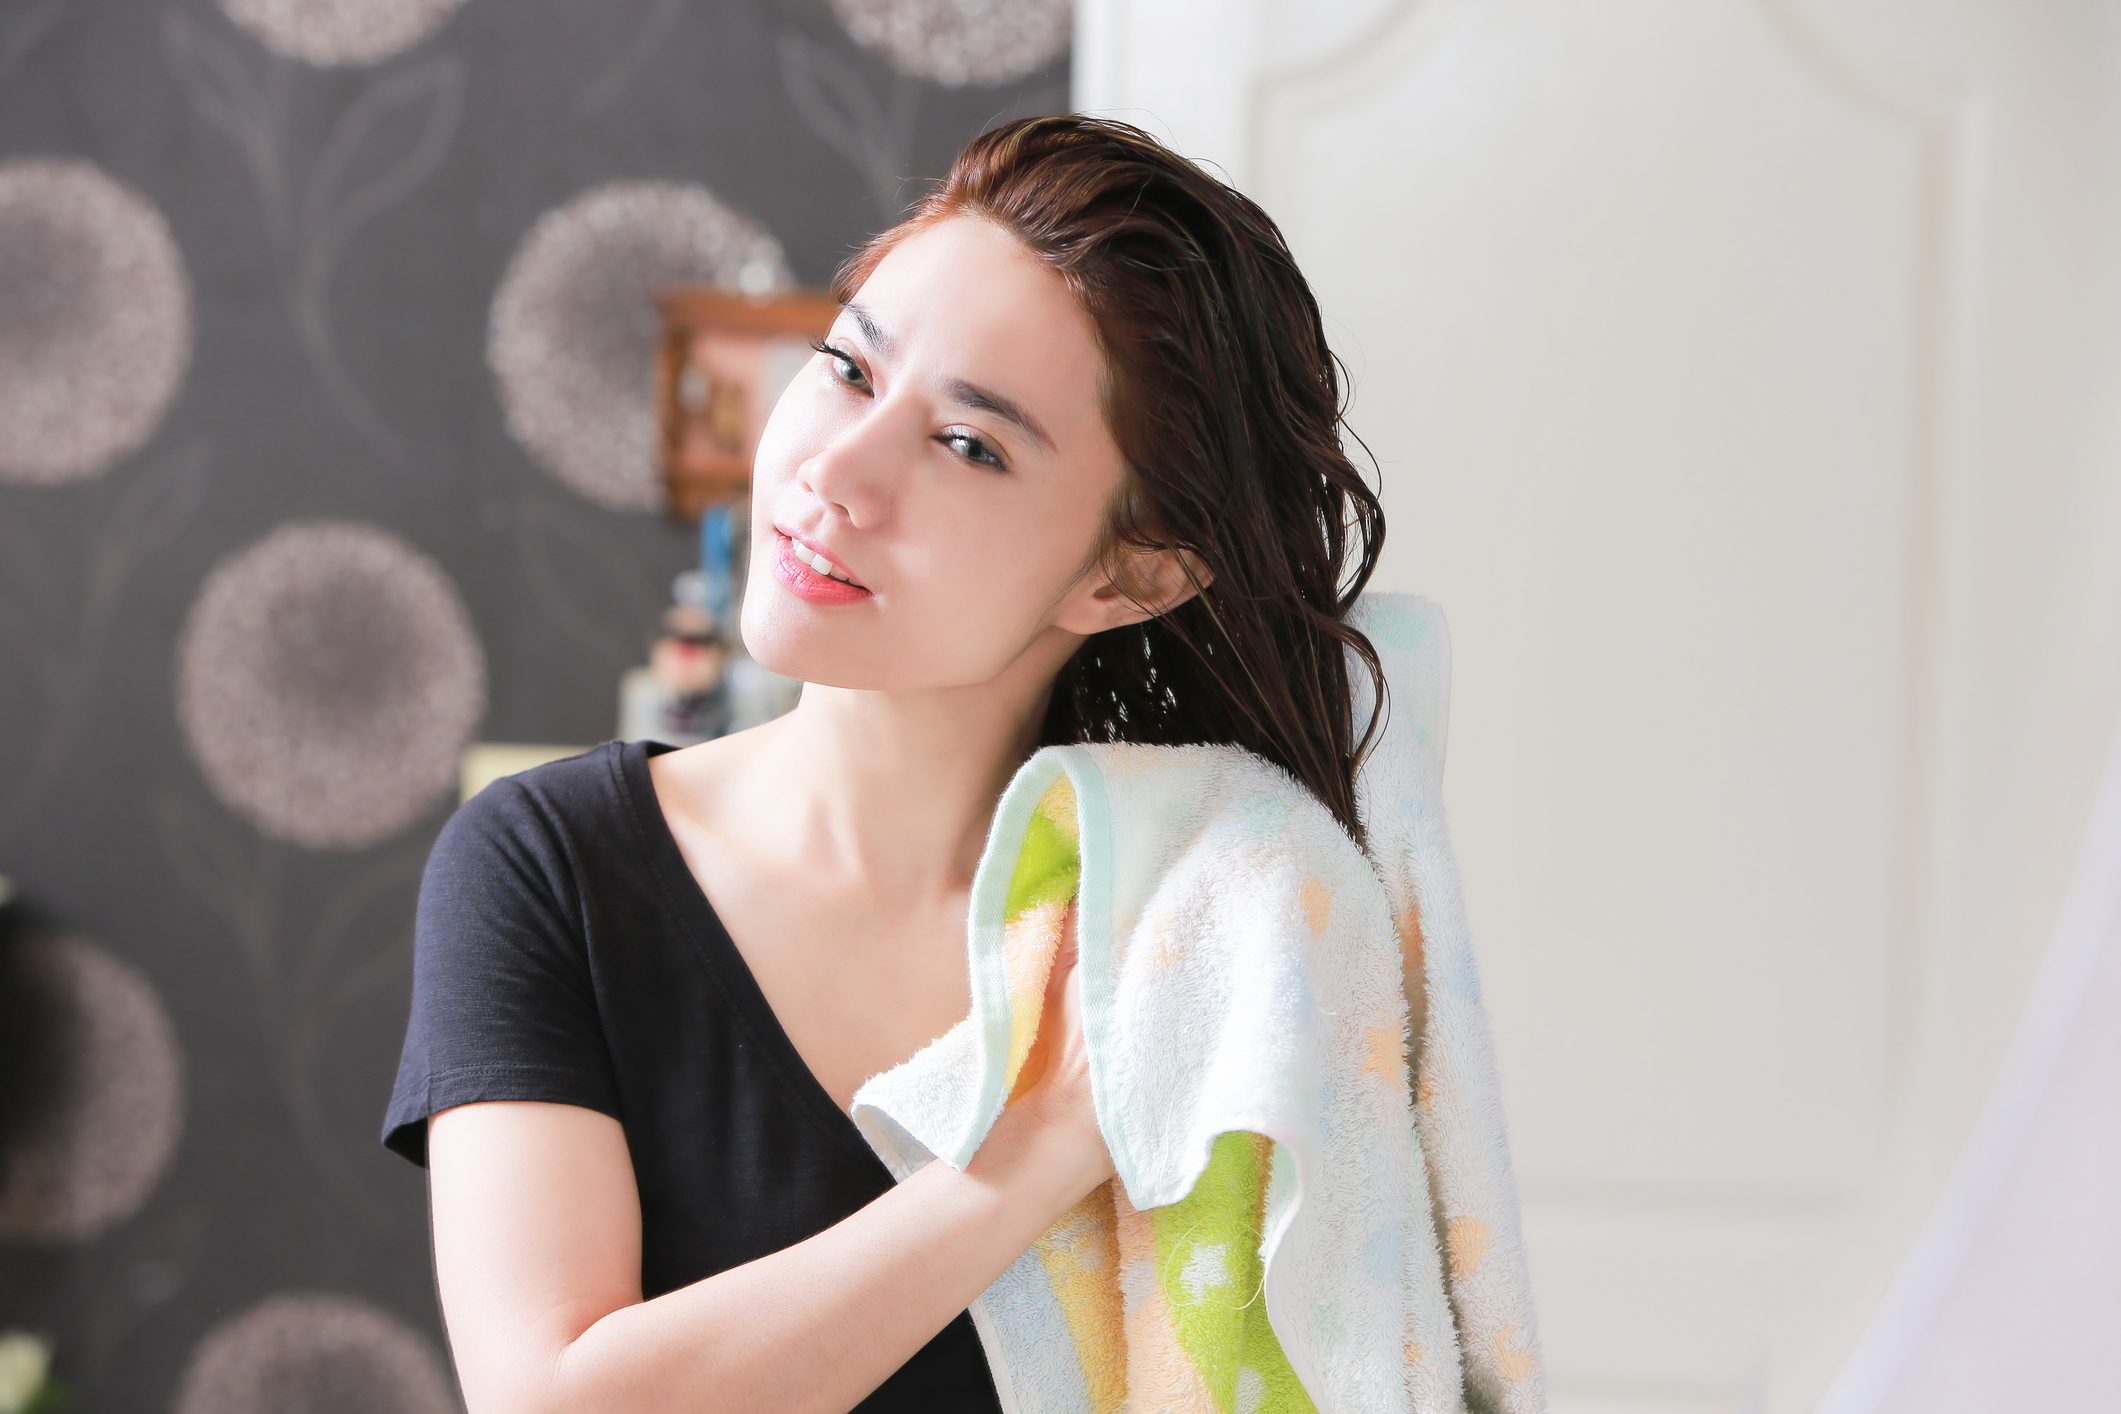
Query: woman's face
{"points": [[895, 456]]}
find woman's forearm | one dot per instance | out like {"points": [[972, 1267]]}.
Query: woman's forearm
{"points": [[819, 1325]]}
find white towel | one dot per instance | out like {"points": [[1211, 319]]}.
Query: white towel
{"points": [[1247, 1018]]}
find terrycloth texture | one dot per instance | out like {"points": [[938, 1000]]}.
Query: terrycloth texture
{"points": [[1246, 1013]]}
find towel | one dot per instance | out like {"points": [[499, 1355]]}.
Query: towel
{"points": [[1307, 1212]]}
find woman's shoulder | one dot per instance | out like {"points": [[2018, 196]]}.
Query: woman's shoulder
{"points": [[585, 772], [617, 797], [560, 788], [542, 812]]}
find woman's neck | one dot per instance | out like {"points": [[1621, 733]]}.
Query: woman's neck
{"points": [[890, 793]]}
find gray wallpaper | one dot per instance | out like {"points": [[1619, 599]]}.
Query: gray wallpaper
{"points": [[324, 451]]}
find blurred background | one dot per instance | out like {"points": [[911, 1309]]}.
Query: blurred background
{"points": [[1745, 381]]}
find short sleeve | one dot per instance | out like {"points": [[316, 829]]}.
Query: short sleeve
{"points": [[503, 1003]]}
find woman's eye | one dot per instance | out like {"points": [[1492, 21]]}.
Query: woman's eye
{"points": [[830, 352], [986, 457]]}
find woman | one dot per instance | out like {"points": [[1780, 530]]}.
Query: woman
{"points": [[1067, 467]]}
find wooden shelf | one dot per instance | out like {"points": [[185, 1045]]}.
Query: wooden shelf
{"points": [[721, 363]]}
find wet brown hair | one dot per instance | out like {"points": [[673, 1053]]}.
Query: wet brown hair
{"points": [[1225, 401]]}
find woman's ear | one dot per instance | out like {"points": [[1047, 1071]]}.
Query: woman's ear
{"points": [[1155, 578], [1159, 580]]}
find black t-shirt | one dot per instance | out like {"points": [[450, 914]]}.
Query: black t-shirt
{"points": [[563, 950]]}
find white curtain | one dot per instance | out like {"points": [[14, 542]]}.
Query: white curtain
{"points": [[2012, 1297]]}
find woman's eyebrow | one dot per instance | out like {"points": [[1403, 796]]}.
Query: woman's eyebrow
{"points": [[959, 391]]}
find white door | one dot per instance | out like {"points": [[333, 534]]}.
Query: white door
{"points": [[1744, 377]]}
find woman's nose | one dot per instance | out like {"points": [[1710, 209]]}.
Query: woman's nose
{"points": [[854, 470]]}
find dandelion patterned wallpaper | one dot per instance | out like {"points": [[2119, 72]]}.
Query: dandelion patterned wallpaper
{"points": [[324, 451]]}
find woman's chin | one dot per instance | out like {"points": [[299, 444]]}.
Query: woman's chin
{"points": [[786, 641]]}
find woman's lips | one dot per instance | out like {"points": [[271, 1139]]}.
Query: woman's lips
{"points": [[806, 583], [805, 548]]}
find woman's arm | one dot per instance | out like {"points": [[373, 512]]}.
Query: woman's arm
{"points": [[537, 1237], [537, 1251]]}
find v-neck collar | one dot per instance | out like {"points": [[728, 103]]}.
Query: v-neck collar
{"points": [[718, 951]]}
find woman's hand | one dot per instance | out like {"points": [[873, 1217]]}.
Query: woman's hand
{"points": [[1059, 1061]]}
